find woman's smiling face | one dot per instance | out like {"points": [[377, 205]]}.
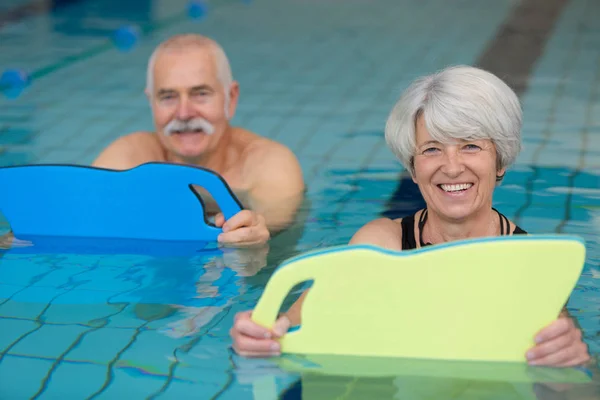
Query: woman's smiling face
{"points": [[456, 179]]}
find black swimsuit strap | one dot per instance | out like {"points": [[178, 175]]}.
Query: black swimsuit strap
{"points": [[423, 218], [506, 221]]}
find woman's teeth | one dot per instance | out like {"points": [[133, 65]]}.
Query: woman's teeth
{"points": [[456, 187]]}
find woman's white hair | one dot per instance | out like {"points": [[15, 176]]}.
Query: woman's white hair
{"points": [[459, 102], [187, 41]]}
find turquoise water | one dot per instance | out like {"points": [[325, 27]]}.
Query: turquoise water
{"points": [[117, 325]]}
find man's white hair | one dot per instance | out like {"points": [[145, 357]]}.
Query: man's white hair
{"points": [[187, 41], [458, 102]]}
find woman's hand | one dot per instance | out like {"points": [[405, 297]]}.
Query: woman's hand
{"points": [[559, 344], [253, 340]]}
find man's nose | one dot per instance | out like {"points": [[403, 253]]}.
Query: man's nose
{"points": [[184, 110]]}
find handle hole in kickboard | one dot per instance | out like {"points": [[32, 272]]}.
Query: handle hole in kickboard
{"points": [[294, 295], [209, 204]]}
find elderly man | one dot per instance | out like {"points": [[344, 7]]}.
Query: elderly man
{"points": [[193, 97]]}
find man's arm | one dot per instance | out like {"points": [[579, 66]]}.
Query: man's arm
{"points": [[278, 189]]}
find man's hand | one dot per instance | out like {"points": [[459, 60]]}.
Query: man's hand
{"points": [[8, 241], [245, 228]]}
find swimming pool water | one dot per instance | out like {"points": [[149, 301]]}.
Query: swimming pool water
{"points": [[116, 325]]}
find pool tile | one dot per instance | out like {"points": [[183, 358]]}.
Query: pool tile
{"points": [[50, 341], [24, 385]]}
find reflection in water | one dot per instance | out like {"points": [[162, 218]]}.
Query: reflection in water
{"points": [[327, 377], [317, 388], [217, 287], [233, 274]]}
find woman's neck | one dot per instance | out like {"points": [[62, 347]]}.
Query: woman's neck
{"points": [[438, 229]]}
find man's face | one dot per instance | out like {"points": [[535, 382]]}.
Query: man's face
{"points": [[189, 102]]}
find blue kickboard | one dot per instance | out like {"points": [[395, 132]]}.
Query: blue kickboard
{"points": [[154, 201]]}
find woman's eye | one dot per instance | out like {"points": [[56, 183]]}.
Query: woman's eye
{"points": [[472, 147]]}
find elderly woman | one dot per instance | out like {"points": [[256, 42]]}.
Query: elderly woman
{"points": [[456, 131]]}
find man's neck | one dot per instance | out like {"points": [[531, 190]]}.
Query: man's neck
{"points": [[440, 230]]}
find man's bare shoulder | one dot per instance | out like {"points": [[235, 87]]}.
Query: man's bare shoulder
{"points": [[140, 142], [273, 177], [131, 150], [259, 150]]}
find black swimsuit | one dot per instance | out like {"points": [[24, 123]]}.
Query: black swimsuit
{"points": [[408, 230]]}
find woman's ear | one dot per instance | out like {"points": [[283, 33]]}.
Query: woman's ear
{"points": [[412, 170], [500, 174]]}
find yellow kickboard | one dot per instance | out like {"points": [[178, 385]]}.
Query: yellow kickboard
{"points": [[480, 299]]}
